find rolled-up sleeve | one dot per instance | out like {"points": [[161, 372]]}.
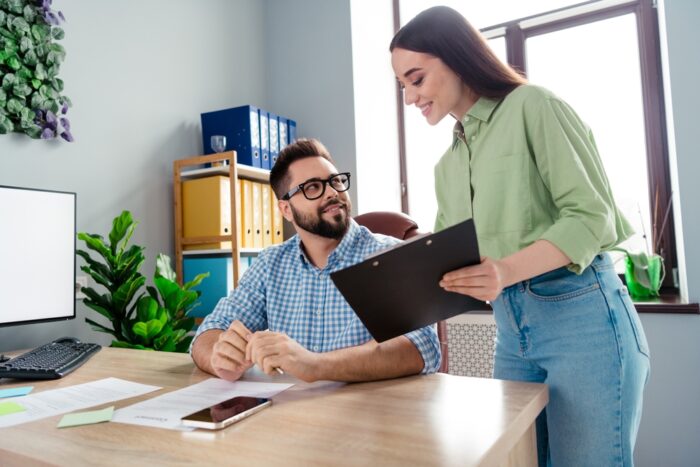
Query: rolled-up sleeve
{"points": [[426, 341], [568, 161]]}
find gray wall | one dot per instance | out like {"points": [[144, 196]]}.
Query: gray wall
{"points": [[139, 74], [309, 72], [670, 430]]}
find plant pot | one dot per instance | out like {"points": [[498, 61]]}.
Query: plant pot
{"points": [[644, 277]]}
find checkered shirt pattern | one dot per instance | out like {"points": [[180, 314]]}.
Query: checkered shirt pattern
{"points": [[283, 292]]}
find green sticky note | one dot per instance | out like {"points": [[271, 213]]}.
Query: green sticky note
{"points": [[6, 408], [86, 418]]}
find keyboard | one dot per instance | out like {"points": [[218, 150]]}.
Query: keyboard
{"points": [[49, 361]]}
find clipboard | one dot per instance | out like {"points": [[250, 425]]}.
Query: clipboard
{"points": [[397, 290]]}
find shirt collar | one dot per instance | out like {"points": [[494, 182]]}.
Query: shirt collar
{"points": [[343, 250], [482, 110]]}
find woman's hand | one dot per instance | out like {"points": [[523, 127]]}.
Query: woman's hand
{"points": [[484, 281]]}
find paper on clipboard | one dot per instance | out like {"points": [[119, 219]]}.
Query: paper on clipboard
{"points": [[397, 290]]}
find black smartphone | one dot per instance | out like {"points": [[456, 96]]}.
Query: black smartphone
{"points": [[225, 413]]}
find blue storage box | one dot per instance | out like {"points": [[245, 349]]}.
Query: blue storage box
{"points": [[218, 285]]}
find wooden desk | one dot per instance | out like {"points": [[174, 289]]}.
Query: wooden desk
{"points": [[420, 420]]}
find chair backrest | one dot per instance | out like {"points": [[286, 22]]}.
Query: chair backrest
{"points": [[399, 225], [394, 224]]}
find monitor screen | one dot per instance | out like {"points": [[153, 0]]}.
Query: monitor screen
{"points": [[37, 255]]}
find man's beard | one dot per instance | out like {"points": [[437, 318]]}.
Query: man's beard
{"points": [[321, 227]]}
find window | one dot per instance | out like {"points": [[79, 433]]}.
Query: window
{"points": [[612, 46]]}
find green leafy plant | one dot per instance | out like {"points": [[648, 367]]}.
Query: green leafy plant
{"points": [[30, 89], [158, 320], [162, 317], [117, 271]]}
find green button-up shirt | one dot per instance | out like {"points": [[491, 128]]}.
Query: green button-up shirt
{"points": [[526, 168]]}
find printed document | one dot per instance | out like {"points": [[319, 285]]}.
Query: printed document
{"points": [[166, 411], [80, 396]]}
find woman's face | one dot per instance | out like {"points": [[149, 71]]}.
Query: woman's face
{"points": [[431, 85]]}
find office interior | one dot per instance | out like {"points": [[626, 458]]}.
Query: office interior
{"points": [[140, 73]]}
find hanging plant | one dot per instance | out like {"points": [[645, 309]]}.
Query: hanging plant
{"points": [[30, 89]]}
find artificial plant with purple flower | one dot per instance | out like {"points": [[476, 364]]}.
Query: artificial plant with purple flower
{"points": [[31, 99]]}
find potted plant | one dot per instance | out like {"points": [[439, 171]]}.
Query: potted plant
{"points": [[645, 271], [644, 274], [158, 320]]}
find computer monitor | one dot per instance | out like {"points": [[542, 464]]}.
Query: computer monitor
{"points": [[37, 255]]}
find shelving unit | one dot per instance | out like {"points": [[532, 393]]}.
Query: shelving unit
{"points": [[191, 168]]}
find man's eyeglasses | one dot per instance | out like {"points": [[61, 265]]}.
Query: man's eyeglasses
{"points": [[315, 188]]}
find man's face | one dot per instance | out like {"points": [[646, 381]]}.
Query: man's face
{"points": [[327, 216]]}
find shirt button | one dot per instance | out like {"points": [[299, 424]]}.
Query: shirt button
{"points": [[472, 138], [315, 348], [318, 312], [466, 119]]}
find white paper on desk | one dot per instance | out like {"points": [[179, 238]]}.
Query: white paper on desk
{"points": [[167, 410], [80, 396]]}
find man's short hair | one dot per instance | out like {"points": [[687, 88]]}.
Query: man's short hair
{"points": [[299, 149]]}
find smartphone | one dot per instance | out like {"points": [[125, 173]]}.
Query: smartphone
{"points": [[225, 413]]}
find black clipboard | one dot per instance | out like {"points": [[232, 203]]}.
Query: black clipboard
{"points": [[397, 290]]}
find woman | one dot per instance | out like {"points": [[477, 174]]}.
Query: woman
{"points": [[525, 167]]}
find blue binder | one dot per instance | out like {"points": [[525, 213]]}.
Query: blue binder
{"points": [[292, 130], [274, 140], [264, 139], [284, 132], [241, 126]]}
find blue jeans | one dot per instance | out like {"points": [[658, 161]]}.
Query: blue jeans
{"points": [[579, 334]]}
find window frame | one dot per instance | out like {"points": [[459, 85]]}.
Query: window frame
{"points": [[517, 31]]}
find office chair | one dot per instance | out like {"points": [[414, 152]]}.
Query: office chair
{"points": [[399, 225]]}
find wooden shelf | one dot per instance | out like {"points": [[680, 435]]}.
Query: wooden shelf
{"points": [[244, 171], [222, 252]]}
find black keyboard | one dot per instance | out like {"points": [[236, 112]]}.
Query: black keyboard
{"points": [[50, 361]]}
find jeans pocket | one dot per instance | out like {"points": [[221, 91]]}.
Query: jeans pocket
{"points": [[560, 289], [635, 322]]}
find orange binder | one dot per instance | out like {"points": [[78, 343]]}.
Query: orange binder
{"points": [[257, 215], [277, 225], [206, 210], [266, 214], [247, 213]]}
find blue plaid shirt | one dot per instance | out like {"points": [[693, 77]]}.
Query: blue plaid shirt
{"points": [[283, 292]]}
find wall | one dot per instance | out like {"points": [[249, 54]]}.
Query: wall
{"points": [[139, 74], [309, 72], [668, 434]]}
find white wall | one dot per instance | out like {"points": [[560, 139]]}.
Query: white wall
{"points": [[139, 74]]}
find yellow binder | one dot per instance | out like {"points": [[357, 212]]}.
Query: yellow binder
{"points": [[257, 216], [206, 210], [247, 214], [239, 213], [277, 226], [266, 214]]}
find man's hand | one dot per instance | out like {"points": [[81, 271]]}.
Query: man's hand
{"points": [[228, 357], [272, 350], [483, 281]]}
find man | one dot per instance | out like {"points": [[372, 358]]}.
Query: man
{"points": [[286, 314]]}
